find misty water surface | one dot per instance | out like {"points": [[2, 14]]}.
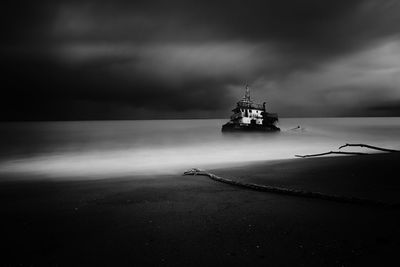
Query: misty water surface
{"points": [[102, 149]]}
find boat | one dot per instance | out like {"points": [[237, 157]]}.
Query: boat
{"points": [[251, 117]]}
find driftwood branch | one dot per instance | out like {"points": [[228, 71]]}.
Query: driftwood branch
{"points": [[371, 147], [350, 153], [330, 152], [291, 191]]}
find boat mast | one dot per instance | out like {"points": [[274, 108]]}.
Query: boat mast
{"points": [[247, 94]]}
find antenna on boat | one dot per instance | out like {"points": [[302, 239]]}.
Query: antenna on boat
{"points": [[247, 93]]}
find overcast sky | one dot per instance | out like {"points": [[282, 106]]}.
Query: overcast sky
{"points": [[190, 59]]}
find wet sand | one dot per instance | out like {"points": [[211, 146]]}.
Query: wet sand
{"points": [[176, 220]]}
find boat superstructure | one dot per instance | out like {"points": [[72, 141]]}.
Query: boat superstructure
{"points": [[249, 116]]}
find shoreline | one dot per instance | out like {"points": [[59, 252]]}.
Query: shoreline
{"points": [[191, 220]]}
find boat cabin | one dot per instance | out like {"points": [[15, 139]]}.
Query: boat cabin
{"points": [[246, 112]]}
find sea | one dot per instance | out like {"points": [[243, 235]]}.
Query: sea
{"points": [[107, 149]]}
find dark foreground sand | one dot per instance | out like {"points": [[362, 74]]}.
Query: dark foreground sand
{"points": [[186, 221]]}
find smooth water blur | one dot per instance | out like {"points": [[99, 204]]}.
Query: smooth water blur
{"points": [[100, 149]]}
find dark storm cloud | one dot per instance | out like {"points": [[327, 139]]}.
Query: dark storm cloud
{"points": [[93, 90], [134, 59], [306, 26], [391, 107]]}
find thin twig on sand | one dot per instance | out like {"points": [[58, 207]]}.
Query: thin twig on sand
{"points": [[331, 152], [371, 147], [350, 153]]}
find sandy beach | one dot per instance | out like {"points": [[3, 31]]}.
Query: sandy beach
{"points": [[175, 220]]}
